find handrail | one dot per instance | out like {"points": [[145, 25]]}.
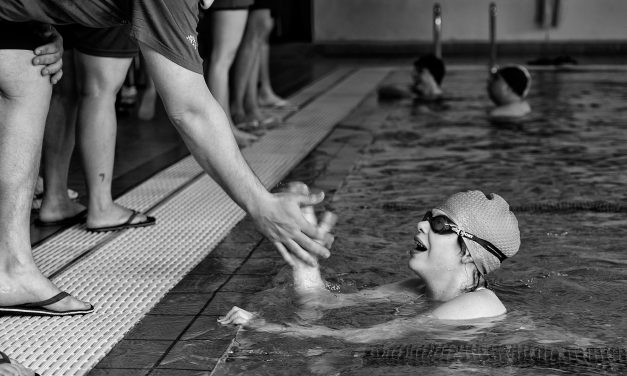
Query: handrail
{"points": [[437, 30], [492, 37]]}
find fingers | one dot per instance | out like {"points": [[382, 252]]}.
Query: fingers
{"points": [[56, 77], [310, 244], [236, 316], [311, 199], [287, 257], [297, 251]]}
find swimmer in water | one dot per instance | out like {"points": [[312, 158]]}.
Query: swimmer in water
{"points": [[427, 75], [457, 244], [508, 87]]}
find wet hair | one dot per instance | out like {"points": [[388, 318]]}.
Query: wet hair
{"points": [[517, 78], [433, 64], [478, 280]]}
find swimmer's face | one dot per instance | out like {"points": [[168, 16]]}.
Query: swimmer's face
{"points": [[433, 253], [205, 4], [424, 82], [499, 91]]}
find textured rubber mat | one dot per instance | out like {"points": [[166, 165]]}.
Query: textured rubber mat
{"points": [[125, 274]]}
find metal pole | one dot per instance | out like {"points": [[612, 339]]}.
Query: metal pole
{"points": [[437, 30], [492, 37]]}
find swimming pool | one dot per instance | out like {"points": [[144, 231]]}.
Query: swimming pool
{"points": [[563, 171]]}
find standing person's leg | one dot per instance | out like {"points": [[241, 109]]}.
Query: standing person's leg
{"points": [[260, 21], [227, 28], [24, 101], [58, 145], [148, 101], [246, 113], [267, 96], [100, 78]]}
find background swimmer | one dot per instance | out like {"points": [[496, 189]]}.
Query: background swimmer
{"points": [[457, 244], [508, 87], [427, 75]]}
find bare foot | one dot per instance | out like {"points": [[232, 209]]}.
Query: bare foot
{"points": [[53, 210], [15, 368], [112, 215], [243, 138], [272, 100], [21, 282], [245, 121]]}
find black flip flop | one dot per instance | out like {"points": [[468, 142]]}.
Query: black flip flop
{"points": [[148, 222], [5, 360], [37, 308], [78, 218]]}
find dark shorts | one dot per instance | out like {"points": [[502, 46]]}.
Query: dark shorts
{"points": [[169, 27], [108, 42], [262, 4], [19, 36], [166, 26], [231, 4]]}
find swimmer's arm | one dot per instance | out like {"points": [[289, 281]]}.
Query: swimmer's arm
{"points": [[389, 330], [394, 292]]}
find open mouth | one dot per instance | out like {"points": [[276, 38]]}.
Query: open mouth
{"points": [[420, 247]]}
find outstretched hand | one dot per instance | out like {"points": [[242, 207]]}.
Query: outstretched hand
{"points": [[49, 55], [282, 221]]}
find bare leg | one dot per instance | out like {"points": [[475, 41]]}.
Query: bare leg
{"points": [[100, 79], [148, 101], [245, 63], [267, 96], [58, 146], [24, 101], [227, 28]]}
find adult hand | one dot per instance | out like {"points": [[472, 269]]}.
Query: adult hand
{"points": [[49, 55], [280, 219]]}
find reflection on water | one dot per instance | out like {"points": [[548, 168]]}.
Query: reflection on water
{"points": [[563, 167]]}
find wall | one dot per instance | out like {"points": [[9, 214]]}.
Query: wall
{"points": [[380, 21]]}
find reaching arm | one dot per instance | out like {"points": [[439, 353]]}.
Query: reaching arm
{"points": [[206, 131], [392, 329]]}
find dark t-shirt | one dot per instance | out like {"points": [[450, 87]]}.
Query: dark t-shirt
{"points": [[167, 26]]}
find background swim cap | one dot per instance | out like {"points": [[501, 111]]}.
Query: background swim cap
{"points": [[517, 78], [487, 217], [433, 64]]}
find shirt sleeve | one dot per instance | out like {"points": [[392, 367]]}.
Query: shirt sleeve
{"points": [[169, 27]]}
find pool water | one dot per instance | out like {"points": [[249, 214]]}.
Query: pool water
{"points": [[563, 169]]}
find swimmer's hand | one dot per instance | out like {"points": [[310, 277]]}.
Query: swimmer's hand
{"points": [[281, 220], [49, 55], [239, 316]]}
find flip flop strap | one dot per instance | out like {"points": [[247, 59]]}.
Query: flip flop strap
{"points": [[5, 359], [130, 219], [52, 300]]}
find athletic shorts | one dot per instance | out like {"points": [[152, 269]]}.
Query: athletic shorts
{"points": [[231, 4], [166, 26], [20, 36], [108, 42], [262, 4]]}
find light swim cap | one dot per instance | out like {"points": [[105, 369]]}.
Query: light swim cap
{"points": [[486, 217]]}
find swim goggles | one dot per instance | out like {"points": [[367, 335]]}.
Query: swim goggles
{"points": [[443, 225]]}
